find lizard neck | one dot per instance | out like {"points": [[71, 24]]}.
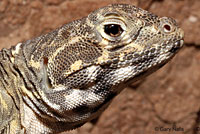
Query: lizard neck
{"points": [[25, 88], [9, 75]]}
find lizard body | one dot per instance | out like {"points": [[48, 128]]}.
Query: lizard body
{"points": [[60, 80]]}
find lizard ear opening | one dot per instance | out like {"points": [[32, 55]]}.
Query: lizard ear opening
{"points": [[45, 61], [48, 81]]}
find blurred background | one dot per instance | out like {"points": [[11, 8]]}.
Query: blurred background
{"points": [[169, 98]]}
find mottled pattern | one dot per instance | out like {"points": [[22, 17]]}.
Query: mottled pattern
{"points": [[61, 80]]}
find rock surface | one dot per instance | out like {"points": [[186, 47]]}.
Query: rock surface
{"points": [[167, 102]]}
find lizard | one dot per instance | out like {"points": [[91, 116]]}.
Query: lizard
{"points": [[65, 78]]}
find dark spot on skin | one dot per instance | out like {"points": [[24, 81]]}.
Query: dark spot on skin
{"points": [[45, 60], [81, 109]]}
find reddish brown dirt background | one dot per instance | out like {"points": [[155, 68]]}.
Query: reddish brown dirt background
{"points": [[170, 98]]}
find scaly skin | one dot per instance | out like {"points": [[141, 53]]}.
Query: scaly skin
{"points": [[61, 80]]}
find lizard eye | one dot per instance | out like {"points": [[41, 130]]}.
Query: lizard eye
{"points": [[113, 30]]}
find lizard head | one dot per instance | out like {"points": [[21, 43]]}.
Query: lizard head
{"points": [[133, 40], [130, 36], [89, 61], [115, 37]]}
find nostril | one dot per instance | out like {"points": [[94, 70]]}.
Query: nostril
{"points": [[167, 27]]}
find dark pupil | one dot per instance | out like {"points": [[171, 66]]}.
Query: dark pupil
{"points": [[113, 30]]}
